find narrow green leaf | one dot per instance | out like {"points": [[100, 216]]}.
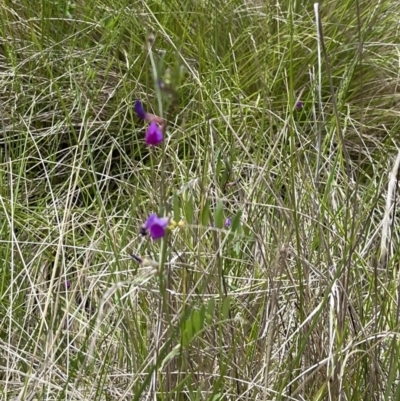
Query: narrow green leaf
{"points": [[177, 207], [210, 310], [189, 209], [219, 215], [188, 332], [197, 321], [225, 307], [202, 312], [236, 221], [216, 397], [219, 163], [237, 248], [205, 214]]}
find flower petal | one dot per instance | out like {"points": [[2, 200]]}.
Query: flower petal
{"points": [[157, 231], [154, 135], [150, 221], [139, 109], [163, 221]]}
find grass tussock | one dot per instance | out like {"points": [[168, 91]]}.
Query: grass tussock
{"points": [[282, 117]]}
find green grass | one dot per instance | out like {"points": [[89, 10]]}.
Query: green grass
{"points": [[298, 299]]}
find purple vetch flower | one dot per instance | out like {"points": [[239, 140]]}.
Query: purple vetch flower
{"points": [[154, 136], [139, 109], [228, 222], [156, 226], [299, 105]]}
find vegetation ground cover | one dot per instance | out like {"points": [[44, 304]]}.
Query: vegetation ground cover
{"points": [[277, 277]]}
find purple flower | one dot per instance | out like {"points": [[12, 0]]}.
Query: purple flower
{"points": [[299, 105], [154, 135], [156, 226], [228, 222], [139, 109]]}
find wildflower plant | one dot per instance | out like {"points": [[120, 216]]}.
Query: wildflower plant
{"points": [[157, 226]]}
